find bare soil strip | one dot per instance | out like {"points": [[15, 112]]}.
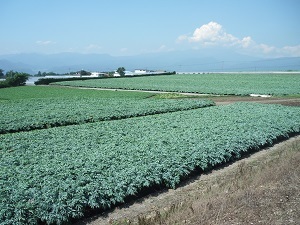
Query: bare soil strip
{"points": [[288, 101]]}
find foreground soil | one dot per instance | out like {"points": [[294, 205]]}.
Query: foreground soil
{"points": [[263, 188]]}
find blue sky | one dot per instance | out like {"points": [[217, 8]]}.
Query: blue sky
{"points": [[264, 28]]}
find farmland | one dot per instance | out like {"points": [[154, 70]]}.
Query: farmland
{"points": [[118, 144], [30, 114], [42, 92], [55, 174], [221, 84], [33, 108]]}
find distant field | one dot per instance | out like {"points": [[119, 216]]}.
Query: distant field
{"points": [[221, 84], [31, 114], [36, 92]]}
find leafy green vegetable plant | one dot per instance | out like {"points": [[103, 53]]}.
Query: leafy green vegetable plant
{"points": [[41, 113], [53, 175]]}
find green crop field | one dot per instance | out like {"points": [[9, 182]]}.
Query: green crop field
{"points": [[121, 143], [55, 174], [221, 84], [37, 92], [37, 107], [30, 114]]}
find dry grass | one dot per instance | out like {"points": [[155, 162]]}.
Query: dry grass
{"points": [[261, 191]]}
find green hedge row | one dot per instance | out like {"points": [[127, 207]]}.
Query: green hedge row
{"points": [[47, 81]]}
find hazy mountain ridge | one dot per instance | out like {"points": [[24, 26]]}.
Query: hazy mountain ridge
{"points": [[191, 60]]}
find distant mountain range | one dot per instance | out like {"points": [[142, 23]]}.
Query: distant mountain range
{"points": [[180, 61]]}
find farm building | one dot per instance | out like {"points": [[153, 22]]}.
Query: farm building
{"points": [[140, 71], [97, 74], [127, 73]]}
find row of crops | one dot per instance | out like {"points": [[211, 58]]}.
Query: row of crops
{"points": [[55, 174], [222, 84], [30, 114]]}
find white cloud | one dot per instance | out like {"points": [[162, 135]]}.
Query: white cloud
{"points": [[246, 42], [162, 48], [213, 34], [182, 38], [272, 51], [159, 48], [266, 48], [124, 49], [92, 47], [291, 50], [45, 42]]}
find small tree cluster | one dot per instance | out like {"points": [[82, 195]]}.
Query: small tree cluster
{"points": [[1, 73], [40, 74], [121, 71], [14, 79]]}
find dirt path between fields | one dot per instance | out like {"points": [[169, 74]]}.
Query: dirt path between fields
{"points": [[219, 100], [164, 199], [271, 100]]}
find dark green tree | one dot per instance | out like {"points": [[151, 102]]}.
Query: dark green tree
{"points": [[16, 78], [84, 73], [121, 71], [1, 73]]}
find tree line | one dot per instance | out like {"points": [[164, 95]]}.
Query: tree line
{"points": [[80, 72]]}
